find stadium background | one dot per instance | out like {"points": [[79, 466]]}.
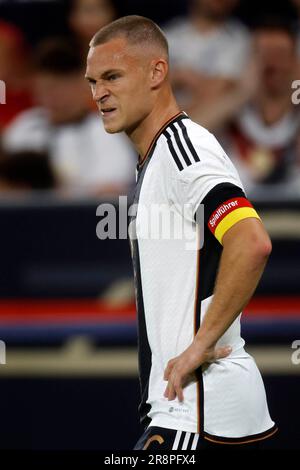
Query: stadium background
{"points": [[70, 381]]}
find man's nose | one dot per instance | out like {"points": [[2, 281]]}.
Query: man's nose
{"points": [[100, 93]]}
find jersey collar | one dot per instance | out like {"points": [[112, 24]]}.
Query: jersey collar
{"points": [[151, 147]]}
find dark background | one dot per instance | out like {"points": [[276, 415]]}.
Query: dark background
{"points": [[40, 19], [101, 413]]}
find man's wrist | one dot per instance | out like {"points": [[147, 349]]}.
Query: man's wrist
{"points": [[204, 341]]}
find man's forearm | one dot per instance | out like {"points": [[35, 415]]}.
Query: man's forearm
{"points": [[239, 273], [246, 247]]}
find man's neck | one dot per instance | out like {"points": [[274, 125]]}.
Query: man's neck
{"points": [[273, 108], [143, 135]]}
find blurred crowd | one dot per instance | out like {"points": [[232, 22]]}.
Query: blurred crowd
{"points": [[235, 81]]}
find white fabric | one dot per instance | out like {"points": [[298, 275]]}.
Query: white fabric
{"points": [[222, 52], [82, 154], [269, 141], [234, 397], [276, 135]]}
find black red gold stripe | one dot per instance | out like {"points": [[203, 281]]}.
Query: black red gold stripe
{"points": [[228, 214]]}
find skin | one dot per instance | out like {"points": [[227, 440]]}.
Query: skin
{"points": [[135, 82], [14, 68], [239, 273], [88, 16], [64, 96], [210, 13], [276, 59], [266, 83], [203, 91]]}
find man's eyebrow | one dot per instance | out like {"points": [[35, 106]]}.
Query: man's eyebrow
{"points": [[89, 79], [104, 75], [109, 72]]}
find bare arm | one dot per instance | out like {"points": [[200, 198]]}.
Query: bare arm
{"points": [[217, 114], [246, 247], [218, 111]]}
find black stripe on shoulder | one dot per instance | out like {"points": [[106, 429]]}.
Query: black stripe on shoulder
{"points": [[172, 150], [180, 145], [188, 141], [217, 195], [181, 440]]}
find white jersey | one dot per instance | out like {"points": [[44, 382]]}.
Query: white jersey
{"points": [[185, 167]]}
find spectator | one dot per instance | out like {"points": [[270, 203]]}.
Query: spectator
{"points": [[208, 51], [83, 156], [262, 136], [296, 3], [86, 17], [15, 72]]}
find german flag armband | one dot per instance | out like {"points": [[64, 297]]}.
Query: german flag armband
{"points": [[228, 214]]}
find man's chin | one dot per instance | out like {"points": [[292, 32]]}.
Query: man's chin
{"points": [[112, 129]]}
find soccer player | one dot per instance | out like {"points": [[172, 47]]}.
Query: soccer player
{"points": [[199, 387]]}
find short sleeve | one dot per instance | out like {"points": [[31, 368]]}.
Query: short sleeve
{"points": [[213, 184], [224, 206]]}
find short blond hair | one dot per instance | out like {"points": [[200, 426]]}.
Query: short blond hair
{"points": [[137, 30]]}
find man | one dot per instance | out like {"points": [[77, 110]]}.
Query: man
{"points": [[296, 4], [14, 72], [86, 17], [208, 51], [262, 136], [199, 386], [85, 159], [258, 124]]}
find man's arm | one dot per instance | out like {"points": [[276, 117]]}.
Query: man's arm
{"points": [[246, 248], [215, 114]]}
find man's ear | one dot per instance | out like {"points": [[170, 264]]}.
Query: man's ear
{"points": [[159, 71]]}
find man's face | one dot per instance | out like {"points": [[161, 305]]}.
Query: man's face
{"points": [[296, 3], [88, 16], [9, 60], [216, 9], [276, 58], [119, 77], [63, 96]]}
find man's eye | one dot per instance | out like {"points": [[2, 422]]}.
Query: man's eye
{"points": [[113, 77]]}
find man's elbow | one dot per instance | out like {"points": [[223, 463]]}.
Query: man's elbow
{"points": [[261, 249], [249, 239]]}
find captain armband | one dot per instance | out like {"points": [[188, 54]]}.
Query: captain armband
{"points": [[228, 214]]}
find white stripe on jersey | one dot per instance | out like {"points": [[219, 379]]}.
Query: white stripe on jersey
{"points": [[195, 442], [176, 440], [167, 311]]}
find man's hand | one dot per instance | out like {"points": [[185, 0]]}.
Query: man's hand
{"points": [[246, 247], [180, 370]]}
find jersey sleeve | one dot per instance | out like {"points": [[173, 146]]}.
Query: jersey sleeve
{"points": [[224, 206], [214, 184]]}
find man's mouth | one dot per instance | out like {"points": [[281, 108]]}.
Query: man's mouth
{"points": [[107, 111]]}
